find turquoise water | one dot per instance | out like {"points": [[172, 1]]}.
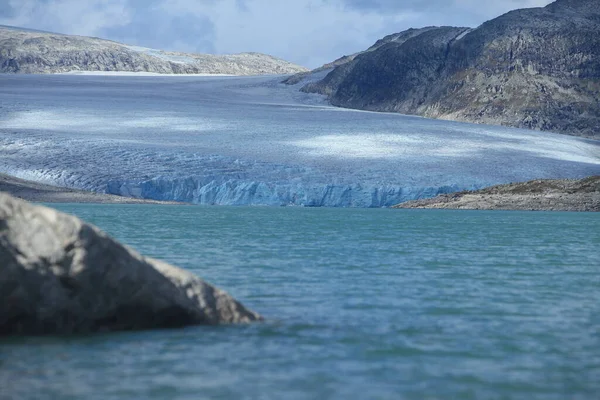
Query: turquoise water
{"points": [[361, 304]]}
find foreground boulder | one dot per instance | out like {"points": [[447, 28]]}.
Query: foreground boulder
{"points": [[60, 275]]}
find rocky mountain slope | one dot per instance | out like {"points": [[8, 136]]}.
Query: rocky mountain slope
{"points": [[541, 195], [533, 68], [393, 38], [34, 52]]}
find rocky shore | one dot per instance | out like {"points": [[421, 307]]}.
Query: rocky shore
{"points": [[538, 195], [59, 275], [41, 193]]}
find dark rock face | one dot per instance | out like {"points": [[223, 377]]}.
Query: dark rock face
{"points": [[397, 38], [59, 275], [33, 52], [533, 68]]}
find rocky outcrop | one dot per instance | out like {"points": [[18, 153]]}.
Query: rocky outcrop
{"points": [[532, 68], [397, 38], [60, 275], [43, 193], [33, 52], [542, 195]]}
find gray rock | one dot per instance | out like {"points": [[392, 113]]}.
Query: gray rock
{"points": [[60, 275], [40, 192], [34, 52], [538, 195], [532, 68]]}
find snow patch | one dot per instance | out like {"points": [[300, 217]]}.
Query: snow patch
{"points": [[463, 34]]}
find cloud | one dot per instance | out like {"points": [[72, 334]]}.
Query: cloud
{"points": [[158, 27], [470, 7], [308, 32], [75, 17], [493, 9], [7, 10], [311, 32]]}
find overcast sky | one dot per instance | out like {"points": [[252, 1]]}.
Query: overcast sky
{"points": [[307, 32]]}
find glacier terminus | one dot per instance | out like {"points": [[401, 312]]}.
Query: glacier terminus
{"points": [[256, 141]]}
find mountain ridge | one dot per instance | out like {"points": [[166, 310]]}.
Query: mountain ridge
{"points": [[38, 52]]}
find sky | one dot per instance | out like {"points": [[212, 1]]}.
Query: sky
{"points": [[306, 32]]}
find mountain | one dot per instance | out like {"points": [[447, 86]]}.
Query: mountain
{"points": [[535, 68], [36, 52], [394, 38]]}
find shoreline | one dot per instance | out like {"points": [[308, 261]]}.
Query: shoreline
{"points": [[581, 195], [44, 193]]}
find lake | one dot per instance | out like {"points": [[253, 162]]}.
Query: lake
{"points": [[360, 304]]}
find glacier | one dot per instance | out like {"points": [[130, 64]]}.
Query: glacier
{"points": [[255, 141]]}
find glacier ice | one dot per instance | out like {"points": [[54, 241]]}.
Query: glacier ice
{"points": [[254, 141]]}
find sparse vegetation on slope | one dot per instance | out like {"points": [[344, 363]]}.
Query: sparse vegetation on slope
{"points": [[542, 194], [532, 68]]}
